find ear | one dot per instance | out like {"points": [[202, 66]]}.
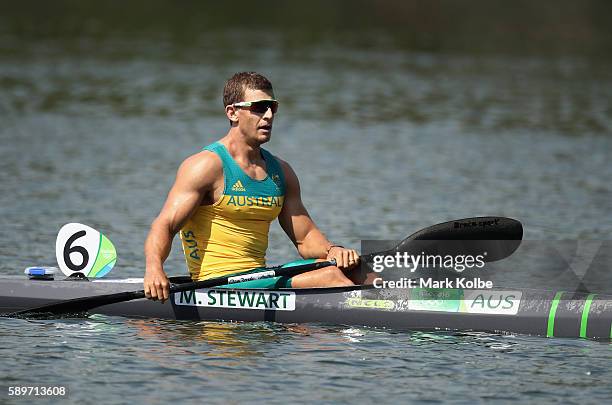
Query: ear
{"points": [[231, 113]]}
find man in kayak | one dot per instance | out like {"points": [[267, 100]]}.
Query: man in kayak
{"points": [[225, 197]]}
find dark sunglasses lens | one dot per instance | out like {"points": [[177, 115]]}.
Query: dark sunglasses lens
{"points": [[262, 106]]}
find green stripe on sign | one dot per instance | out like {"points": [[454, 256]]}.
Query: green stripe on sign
{"points": [[550, 330], [585, 315]]}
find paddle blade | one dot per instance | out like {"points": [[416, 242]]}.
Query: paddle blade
{"points": [[478, 228], [494, 237], [69, 307]]}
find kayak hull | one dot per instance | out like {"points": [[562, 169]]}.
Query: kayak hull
{"points": [[515, 311]]}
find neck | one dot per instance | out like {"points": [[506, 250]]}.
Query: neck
{"points": [[240, 148]]}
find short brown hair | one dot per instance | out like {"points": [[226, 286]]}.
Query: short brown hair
{"points": [[233, 92]]}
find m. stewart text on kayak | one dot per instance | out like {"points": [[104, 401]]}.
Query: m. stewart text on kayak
{"points": [[237, 298], [460, 282]]}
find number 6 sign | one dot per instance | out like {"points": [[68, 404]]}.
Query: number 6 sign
{"points": [[81, 249]]}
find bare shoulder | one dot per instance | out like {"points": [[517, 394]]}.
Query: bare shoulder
{"points": [[291, 179], [287, 170], [200, 170]]}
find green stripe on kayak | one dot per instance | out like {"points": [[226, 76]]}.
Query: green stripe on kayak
{"points": [[550, 330], [585, 315]]}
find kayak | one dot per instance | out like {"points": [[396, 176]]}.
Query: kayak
{"points": [[509, 311]]}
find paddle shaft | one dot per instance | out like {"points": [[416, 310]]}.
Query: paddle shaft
{"points": [[83, 304]]}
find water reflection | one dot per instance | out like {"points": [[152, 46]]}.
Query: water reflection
{"points": [[223, 341]]}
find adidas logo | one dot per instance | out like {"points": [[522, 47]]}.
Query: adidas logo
{"points": [[238, 186]]}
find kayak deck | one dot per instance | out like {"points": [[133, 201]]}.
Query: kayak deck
{"points": [[522, 311]]}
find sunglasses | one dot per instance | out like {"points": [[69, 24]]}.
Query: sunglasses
{"points": [[259, 106]]}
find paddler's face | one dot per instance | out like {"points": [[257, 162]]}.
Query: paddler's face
{"points": [[255, 125]]}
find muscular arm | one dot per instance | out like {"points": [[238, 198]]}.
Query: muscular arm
{"points": [[195, 181], [301, 229]]}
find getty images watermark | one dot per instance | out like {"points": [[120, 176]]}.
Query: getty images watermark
{"points": [[408, 262], [581, 266]]}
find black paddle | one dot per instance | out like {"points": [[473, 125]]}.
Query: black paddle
{"points": [[499, 237], [480, 230]]}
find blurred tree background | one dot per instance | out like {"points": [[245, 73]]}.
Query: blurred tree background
{"points": [[478, 26]]}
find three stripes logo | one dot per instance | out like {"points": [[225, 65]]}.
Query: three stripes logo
{"points": [[238, 186]]}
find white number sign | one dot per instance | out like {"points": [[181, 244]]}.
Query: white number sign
{"points": [[81, 249]]}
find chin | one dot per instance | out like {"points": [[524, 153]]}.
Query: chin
{"points": [[264, 138], [260, 140]]}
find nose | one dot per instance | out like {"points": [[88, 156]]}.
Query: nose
{"points": [[269, 114]]}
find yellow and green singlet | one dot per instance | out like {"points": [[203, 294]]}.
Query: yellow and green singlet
{"points": [[231, 235]]}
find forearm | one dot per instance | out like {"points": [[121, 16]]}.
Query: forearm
{"points": [[158, 246], [314, 245]]}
